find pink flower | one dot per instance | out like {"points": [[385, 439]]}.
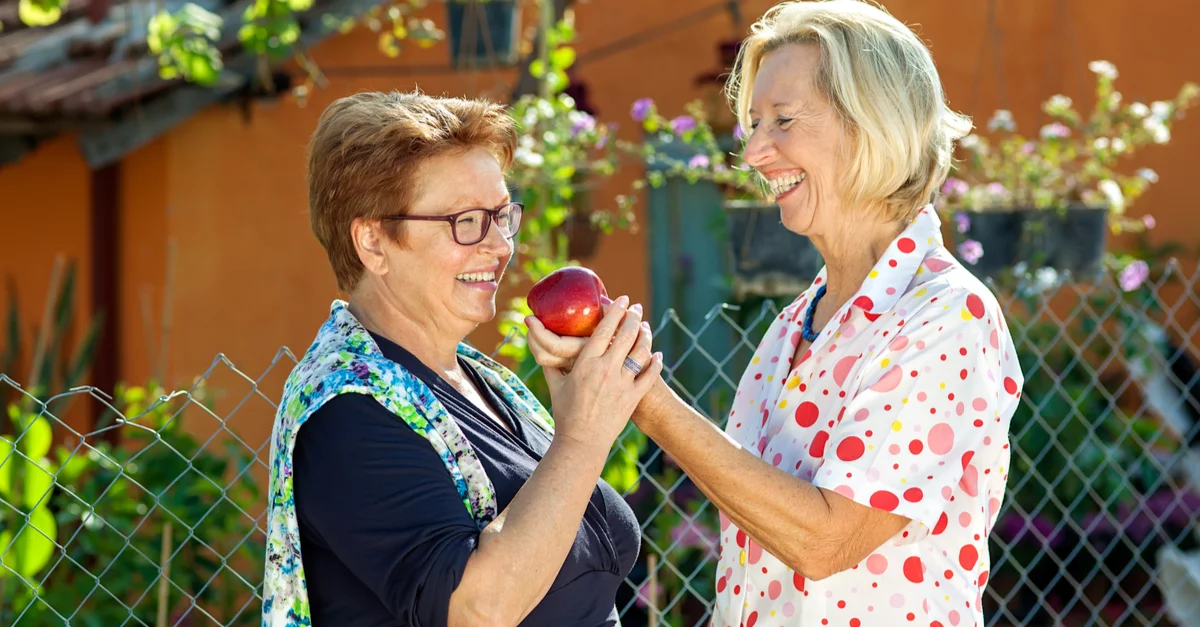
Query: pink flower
{"points": [[690, 534], [1148, 220], [699, 162], [971, 251], [1134, 275], [644, 594], [954, 187]]}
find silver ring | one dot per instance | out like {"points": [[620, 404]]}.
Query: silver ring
{"points": [[633, 366]]}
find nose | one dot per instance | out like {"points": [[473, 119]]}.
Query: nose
{"points": [[760, 149], [495, 243]]}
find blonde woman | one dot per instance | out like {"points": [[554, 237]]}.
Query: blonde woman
{"points": [[865, 457]]}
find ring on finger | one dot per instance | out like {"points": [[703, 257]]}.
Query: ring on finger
{"points": [[633, 366]]}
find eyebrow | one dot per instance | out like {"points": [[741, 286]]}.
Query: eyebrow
{"points": [[775, 105]]}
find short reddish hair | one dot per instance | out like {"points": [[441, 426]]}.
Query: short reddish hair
{"points": [[367, 149]]}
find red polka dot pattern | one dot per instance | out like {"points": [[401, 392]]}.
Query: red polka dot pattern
{"points": [[902, 404]]}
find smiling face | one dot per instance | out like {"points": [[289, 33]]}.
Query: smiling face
{"points": [[796, 139], [434, 278]]}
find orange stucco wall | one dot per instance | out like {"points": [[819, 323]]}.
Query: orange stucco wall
{"points": [[44, 213], [227, 191]]}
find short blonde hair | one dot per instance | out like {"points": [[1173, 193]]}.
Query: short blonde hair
{"points": [[365, 154], [881, 79]]}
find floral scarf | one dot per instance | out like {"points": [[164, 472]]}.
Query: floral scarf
{"points": [[344, 358]]}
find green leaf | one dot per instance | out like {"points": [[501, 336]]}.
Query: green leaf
{"points": [[37, 483], [537, 69], [562, 58], [8, 460], [35, 442], [40, 12], [33, 545]]}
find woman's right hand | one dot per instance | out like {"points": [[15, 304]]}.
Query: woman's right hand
{"points": [[593, 403]]}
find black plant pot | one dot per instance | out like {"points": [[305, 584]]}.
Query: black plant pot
{"points": [[1073, 240], [768, 259], [482, 32]]}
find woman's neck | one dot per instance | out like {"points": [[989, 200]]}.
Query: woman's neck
{"points": [[430, 342], [850, 252]]}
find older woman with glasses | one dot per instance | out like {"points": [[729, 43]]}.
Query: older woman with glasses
{"points": [[428, 486]]}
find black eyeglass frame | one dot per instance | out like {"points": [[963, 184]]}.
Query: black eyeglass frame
{"points": [[492, 216]]}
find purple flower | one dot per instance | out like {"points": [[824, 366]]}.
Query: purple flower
{"points": [[738, 133], [683, 124], [585, 123], [1149, 221], [1133, 275], [699, 162], [962, 222], [954, 187], [641, 108], [971, 251]]}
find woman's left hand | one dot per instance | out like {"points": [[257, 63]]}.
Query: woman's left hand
{"points": [[551, 350]]}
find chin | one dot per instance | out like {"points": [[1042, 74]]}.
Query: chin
{"points": [[796, 219]]}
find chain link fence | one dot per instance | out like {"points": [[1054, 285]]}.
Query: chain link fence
{"points": [[155, 516]]}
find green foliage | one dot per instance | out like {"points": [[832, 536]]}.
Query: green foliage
{"points": [[183, 42], [40, 12], [60, 366], [110, 510]]}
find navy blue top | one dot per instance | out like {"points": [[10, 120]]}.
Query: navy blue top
{"points": [[385, 536]]}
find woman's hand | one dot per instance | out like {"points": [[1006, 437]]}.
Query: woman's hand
{"points": [[559, 352], [593, 403]]}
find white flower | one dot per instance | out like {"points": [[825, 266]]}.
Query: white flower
{"points": [[1159, 130], [1149, 175], [1161, 110], [1112, 191], [1002, 120], [1101, 143], [1103, 68], [970, 142], [1046, 278], [1058, 102], [1118, 145], [1139, 109], [529, 158]]}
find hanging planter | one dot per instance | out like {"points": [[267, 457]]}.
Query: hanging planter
{"points": [[482, 32], [1073, 240], [1074, 171], [768, 259]]}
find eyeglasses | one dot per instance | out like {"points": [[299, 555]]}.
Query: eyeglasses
{"points": [[471, 226]]}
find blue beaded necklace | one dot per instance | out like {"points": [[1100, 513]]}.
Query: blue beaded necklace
{"points": [[807, 332]]}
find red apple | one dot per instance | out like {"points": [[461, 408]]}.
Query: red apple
{"points": [[569, 301]]}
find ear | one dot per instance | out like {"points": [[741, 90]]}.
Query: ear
{"points": [[369, 238]]}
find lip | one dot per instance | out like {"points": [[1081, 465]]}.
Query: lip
{"points": [[771, 175]]}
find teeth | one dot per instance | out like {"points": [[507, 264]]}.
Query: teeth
{"points": [[781, 185], [477, 277]]}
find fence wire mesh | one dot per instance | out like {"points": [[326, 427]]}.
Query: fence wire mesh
{"points": [[154, 515]]}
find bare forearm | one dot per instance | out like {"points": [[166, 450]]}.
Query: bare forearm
{"points": [[790, 518], [521, 552]]}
